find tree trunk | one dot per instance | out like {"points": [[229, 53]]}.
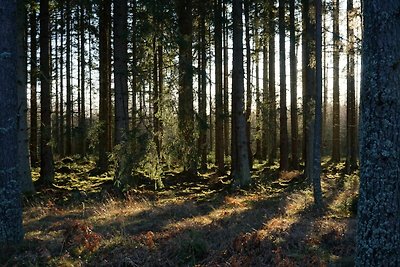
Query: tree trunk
{"points": [[82, 118], [351, 158], [249, 96], [226, 114], [271, 87], [240, 169], [33, 79], [203, 90], [46, 153], [378, 229], [293, 87], [11, 232], [69, 108], [219, 108], [104, 68], [24, 170], [185, 109], [121, 69], [61, 143], [283, 132], [336, 104]]}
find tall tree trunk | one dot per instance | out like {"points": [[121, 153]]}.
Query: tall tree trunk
{"points": [[305, 63], [134, 64], [121, 69], [258, 152], [104, 67], [336, 104], [46, 153], [219, 108], [293, 87], [351, 159], [61, 143], [185, 109], [378, 235], [240, 168], [265, 109], [24, 170], [69, 108], [82, 119], [317, 112], [325, 81], [203, 90], [33, 77], [271, 87], [249, 96], [283, 132], [225, 31], [11, 232]]}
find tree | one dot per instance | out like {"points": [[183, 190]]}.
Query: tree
{"points": [[293, 87], [105, 80], [121, 68], [240, 160], [219, 108], [351, 158], [11, 232], [336, 104], [46, 152], [68, 114], [283, 154], [185, 102], [378, 235], [82, 117], [33, 83], [271, 86], [24, 174], [249, 93]]}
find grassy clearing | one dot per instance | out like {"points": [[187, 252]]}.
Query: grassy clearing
{"points": [[200, 222]]}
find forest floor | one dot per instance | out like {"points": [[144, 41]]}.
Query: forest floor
{"points": [[201, 221]]}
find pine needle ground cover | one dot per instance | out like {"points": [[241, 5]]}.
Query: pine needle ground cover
{"points": [[192, 221]]}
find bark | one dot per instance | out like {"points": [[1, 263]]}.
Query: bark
{"points": [[203, 90], [240, 169], [134, 66], [271, 86], [226, 79], [378, 229], [265, 119], [121, 68], [61, 143], [185, 105], [82, 118], [293, 88], [104, 67], [249, 96], [24, 170], [351, 158], [336, 104], [68, 115], [11, 232], [46, 152], [283, 132], [219, 108], [33, 79]]}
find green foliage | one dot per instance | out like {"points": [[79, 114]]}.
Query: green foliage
{"points": [[93, 135]]}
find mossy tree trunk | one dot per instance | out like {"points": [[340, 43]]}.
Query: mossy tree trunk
{"points": [[378, 231]]}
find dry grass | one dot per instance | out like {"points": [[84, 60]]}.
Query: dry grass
{"points": [[273, 224]]}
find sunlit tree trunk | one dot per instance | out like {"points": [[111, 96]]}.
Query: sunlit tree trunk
{"points": [[378, 229], [226, 78]]}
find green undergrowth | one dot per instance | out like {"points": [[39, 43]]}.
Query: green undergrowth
{"points": [[192, 221]]}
